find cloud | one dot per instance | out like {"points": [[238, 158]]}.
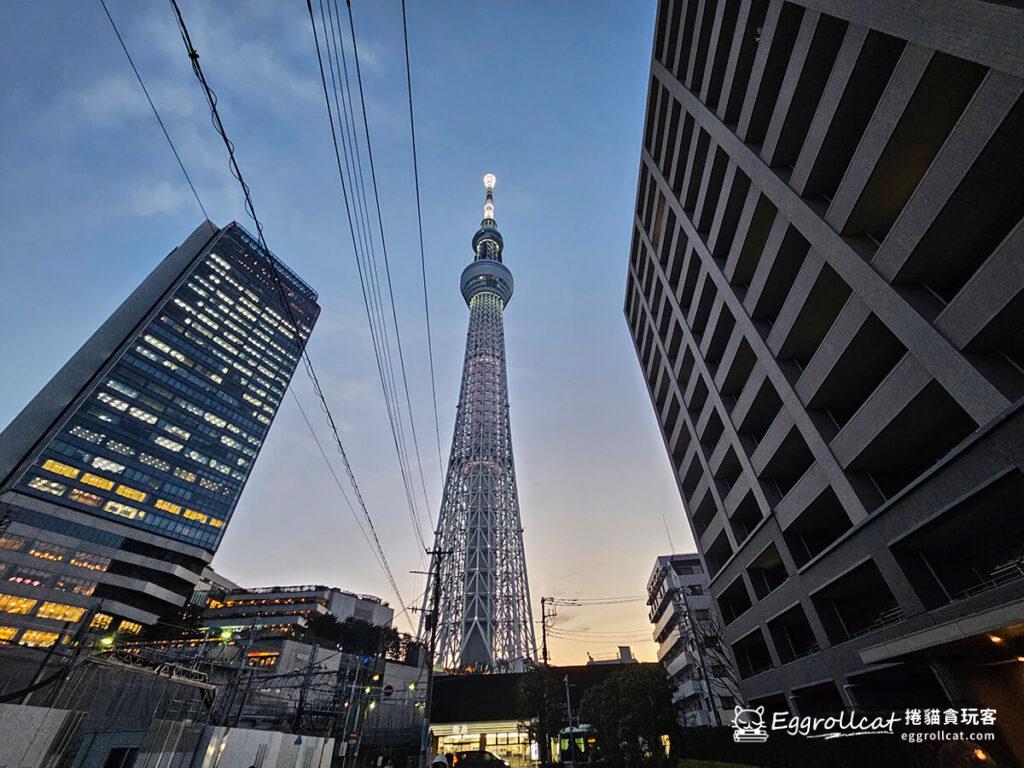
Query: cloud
{"points": [[161, 197], [114, 99]]}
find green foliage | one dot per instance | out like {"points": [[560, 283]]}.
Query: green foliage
{"points": [[542, 707], [629, 712], [354, 635]]}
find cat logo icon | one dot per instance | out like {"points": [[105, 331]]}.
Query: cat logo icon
{"points": [[748, 726]]}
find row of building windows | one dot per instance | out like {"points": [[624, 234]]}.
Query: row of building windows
{"points": [[38, 577], [118, 508], [36, 638], [44, 550], [205, 378]]}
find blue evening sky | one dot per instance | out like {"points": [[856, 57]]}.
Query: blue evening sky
{"points": [[547, 95]]}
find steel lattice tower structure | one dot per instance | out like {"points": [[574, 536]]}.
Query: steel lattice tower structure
{"points": [[485, 621]]}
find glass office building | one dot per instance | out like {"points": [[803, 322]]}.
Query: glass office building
{"points": [[121, 476]]}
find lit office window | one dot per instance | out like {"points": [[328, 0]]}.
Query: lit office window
{"points": [[129, 627], [112, 401], [167, 506], [90, 562], [51, 552], [130, 493], [191, 514], [124, 389], [97, 481], [152, 461], [60, 611], [34, 638], [12, 543], [107, 465], [123, 510], [76, 586], [59, 469], [121, 448], [16, 604], [167, 443], [142, 415], [88, 499], [47, 486], [87, 434]]}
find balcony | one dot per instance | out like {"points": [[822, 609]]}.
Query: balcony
{"points": [[687, 689], [674, 666], [669, 644], [668, 617]]}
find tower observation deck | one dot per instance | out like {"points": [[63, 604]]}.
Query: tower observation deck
{"points": [[484, 621]]}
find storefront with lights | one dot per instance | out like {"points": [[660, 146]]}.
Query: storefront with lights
{"points": [[481, 712]]}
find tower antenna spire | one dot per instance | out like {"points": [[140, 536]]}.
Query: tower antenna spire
{"points": [[489, 181]]}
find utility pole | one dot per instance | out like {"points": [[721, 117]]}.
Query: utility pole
{"points": [[307, 677], [568, 716], [432, 622], [698, 641], [544, 616], [544, 630]]}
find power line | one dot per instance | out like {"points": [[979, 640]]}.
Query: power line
{"points": [[643, 631], [211, 98], [595, 641], [588, 601], [419, 221], [199, 201], [359, 232], [337, 481], [340, 46], [384, 247], [152, 106]]}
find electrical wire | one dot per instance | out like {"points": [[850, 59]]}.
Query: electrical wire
{"points": [[199, 201], [350, 116], [152, 106], [360, 234], [419, 221], [582, 602], [211, 98], [384, 248], [599, 636]]}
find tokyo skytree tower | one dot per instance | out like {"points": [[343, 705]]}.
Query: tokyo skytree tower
{"points": [[485, 621]]}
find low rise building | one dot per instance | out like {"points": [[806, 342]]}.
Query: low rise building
{"points": [[690, 645], [288, 610]]}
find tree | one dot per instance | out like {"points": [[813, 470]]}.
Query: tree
{"points": [[541, 708], [717, 662], [629, 712], [354, 635]]}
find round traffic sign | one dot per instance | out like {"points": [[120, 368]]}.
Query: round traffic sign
{"points": [[387, 690]]}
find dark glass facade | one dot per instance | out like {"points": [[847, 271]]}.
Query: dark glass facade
{"points": [[167, 437]]}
